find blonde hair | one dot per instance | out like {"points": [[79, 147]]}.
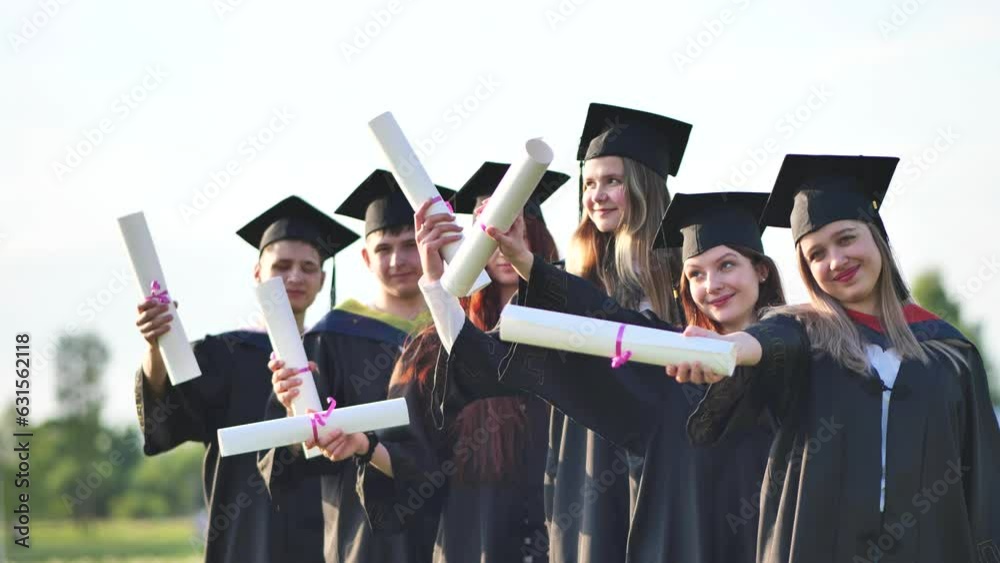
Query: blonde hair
{"points": [[831, 330], [624, 262]]}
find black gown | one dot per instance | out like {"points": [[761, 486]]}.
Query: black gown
{"points": [[477, 519], [355, 353], [233, 389], [688, 504], [821, 502]]}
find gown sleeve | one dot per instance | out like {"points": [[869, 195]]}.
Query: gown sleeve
{"points": [[620, 404], [776, 382], [981, 454], [419, 458], [187, 412]]}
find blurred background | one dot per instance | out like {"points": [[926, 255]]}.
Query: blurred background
{"points": [[204, 113]]}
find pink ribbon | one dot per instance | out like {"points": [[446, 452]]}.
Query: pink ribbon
{"points": [[438, 198], [620, 358], [155, 294], [319, 418]]}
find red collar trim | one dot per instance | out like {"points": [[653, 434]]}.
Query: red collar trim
{"points": [[912, 313]]}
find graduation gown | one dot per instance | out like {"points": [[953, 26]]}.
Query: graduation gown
{"points": [[821, 500], [688, 504], [355, 349], [233, 389], [476, 519]]}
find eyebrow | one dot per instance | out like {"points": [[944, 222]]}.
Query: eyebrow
{"points": [[726, 255]]}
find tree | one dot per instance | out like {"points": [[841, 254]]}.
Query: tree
{"points": [[929, 291]]}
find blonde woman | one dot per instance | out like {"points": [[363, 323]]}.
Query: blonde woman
{"points": [[888, 449]]}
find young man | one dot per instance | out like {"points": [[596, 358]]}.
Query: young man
{"points": [[294, 240], [355, 347]]}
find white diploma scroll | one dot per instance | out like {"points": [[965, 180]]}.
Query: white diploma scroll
{"points": [[595, 337], [174, 346], [414, 180], [507, 201], [286, 341], [284, 334], [281, 432]]}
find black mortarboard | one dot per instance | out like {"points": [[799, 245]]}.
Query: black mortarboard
{"points": [[813, 191], [380, 202], [485, 181], [656, 141], [294, 219], [698, 222]]}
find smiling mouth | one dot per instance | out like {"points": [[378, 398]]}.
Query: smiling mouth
{"points": [[721, 301], [848, 275]]}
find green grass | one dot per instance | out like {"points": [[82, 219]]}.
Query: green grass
{"points": [[106, 541]]}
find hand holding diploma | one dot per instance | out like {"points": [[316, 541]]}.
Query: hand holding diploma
{"points": [[433, 232], [513, 244], [747, 350]]}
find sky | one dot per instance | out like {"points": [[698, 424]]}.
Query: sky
{"points": [[203, 113]]}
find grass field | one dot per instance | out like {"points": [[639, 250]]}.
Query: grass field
{"points": [[119, 541]]}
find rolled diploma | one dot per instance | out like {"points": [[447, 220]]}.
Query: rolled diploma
{"points": [[508, 200], [413, 179], [596, 337], [284, 334], [174, 346], [281, 432]]}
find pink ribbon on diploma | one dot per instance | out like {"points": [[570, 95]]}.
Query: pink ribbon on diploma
{"points": [[319, 418], [438, 198], [157, 295], [620, 358]]}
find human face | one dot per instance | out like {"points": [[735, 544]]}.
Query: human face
{"points": [[725, 286], [395, 261], [498, 267], [297, 263], [604, 194], [845, 262]]}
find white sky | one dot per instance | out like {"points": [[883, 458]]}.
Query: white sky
{"points": [[931, 81]]}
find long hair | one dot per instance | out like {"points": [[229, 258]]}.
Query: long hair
{"points": [[831, 330], [494, 449], [770, 292], [623, 262]]}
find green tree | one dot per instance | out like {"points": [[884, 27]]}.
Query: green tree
{"points": [[929, 291]]}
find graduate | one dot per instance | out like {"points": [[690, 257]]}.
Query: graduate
{"points": [[293, 240], [626, 156], [485, 458], [888, 448], [355, 347], [690, 504]]}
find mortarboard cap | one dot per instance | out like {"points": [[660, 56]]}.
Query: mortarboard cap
{"points": [[813, 191], [485, 181], [699, 222], [294, 219], [656, 141], [380, 203]]}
